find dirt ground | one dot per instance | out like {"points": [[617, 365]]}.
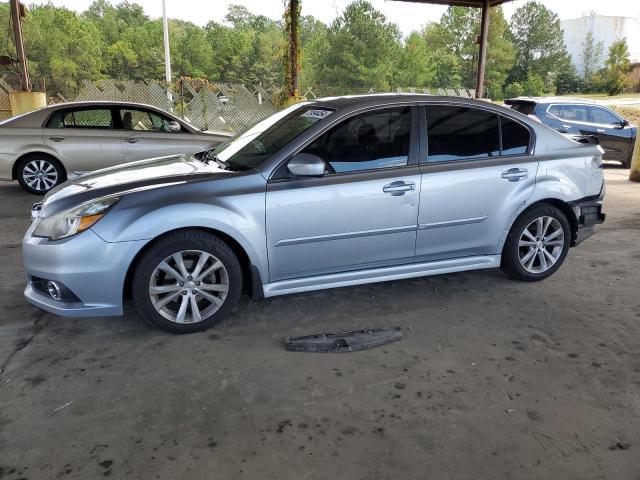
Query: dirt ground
{"points": [[495, 379]]}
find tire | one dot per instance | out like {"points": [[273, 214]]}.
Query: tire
{"points": [[39, 173], [527, 261], [181, 303]]}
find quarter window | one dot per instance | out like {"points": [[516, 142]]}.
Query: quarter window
{"points": [[459, 133], [368, 141], [87, 118]]}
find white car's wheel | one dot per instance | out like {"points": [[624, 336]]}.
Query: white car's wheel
{"points": [[38, 174]]}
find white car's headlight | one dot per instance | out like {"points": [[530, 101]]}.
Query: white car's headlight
{"points": [[73, 221]]}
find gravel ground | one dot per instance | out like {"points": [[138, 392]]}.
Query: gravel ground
{"points": [[494, 379]]}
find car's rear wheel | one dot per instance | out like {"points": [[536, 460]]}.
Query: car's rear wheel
{"points": [[38, 174], [186, 282], [537, 244]]}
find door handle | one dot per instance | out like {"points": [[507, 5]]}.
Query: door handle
{"points": [[599, 130], [398, 188], [566, 126], [56, 139], [131, 140], [515, 174]]}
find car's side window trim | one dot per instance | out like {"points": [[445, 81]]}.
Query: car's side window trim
{"points": [[64, 111], [587, 106], [279, 172], [149, 112], [594, 107], [424, 156]]}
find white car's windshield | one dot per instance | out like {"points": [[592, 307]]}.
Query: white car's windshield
{"points": [[265, 138]]}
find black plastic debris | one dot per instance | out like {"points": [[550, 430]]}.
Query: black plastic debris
{"points": [[344, 341]]}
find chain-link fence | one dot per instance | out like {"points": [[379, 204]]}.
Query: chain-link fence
{"points": [[207, 105]]}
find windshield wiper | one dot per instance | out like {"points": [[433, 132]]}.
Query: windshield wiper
{"points": [[210, 156]]}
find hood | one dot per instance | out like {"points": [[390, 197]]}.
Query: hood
{"points": [[135, 176]]}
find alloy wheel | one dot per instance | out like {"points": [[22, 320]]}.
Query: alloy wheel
{"points": [[189, 286], [541, 244], [40, 175]]}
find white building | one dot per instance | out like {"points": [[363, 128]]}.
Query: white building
{"points": [[604, 29]]}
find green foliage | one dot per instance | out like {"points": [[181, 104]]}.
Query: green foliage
{"points": [[614, 77], [591, 58], [538, 39], [358, 49], [415, 66], [513, 90], [534, 85]]}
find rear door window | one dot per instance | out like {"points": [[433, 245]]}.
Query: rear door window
{"points": [[575, 113], [95, 118], [461, 133]]}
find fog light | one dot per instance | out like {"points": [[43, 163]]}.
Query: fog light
{"points": [[54, 290]]}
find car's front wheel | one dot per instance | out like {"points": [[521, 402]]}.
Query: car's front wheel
{"points": [[38, 174], [186, 282], [537, 244]]}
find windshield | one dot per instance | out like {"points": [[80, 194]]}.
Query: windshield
{"points": [[265, 138]]}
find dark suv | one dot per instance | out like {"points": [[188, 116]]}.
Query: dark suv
{"points": [[583, 118]]}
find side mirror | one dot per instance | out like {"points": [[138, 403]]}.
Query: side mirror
{"points": [[306, 165], [624, 123], [174, 127]]}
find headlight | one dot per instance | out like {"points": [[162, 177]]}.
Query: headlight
{"points": [[73, 221]]}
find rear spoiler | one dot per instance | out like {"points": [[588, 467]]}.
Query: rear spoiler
{"points": [[519, 101]]}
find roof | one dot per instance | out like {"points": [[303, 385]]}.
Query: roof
{"points": [[532, 100], [458, 3], [380, 99]]}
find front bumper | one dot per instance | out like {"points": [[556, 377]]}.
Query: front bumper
{"points": [[92, 270]]}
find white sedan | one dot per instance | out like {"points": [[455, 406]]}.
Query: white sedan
{"points": [[43, 148]]}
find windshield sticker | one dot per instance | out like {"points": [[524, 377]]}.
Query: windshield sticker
{"points": [[316, 114]]}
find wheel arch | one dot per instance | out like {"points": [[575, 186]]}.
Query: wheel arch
{"points": [[561, 205], [14, 168], [252, 281]]}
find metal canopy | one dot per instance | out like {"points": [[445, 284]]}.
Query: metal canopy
{"points": [[459, 3], [484, 30]]}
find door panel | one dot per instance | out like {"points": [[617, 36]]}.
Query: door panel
{"points": [[146, 134], [612, 137], [84, 138], [341, 222], [464, 211], [476, 172], [143, 145], [85, 149]]}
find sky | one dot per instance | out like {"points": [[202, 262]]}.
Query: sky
{"points": [[408, 16]]}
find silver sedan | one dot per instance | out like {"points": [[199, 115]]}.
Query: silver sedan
{"points": [[43, 148], [329, 193]]}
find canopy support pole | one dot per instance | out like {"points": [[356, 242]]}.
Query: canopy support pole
{"points": [[482, 57]]}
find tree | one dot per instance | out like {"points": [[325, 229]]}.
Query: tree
{"points": [[591, 58], [455, 37], [538, 39], [614, 77], [358, 50], [446, 63], [415, 66]]}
